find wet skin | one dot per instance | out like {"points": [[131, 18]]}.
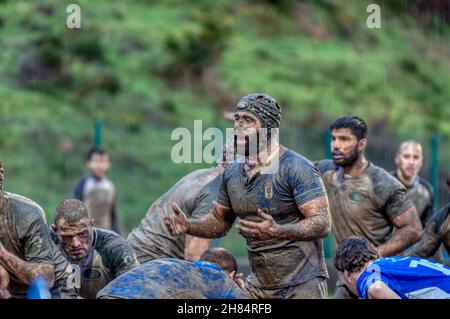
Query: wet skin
{"points": [[409, 161], [75, 238]]}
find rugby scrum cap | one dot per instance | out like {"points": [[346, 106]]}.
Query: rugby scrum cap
{"points": [[263, 106]]}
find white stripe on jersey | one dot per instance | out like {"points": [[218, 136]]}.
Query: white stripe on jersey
{"points": [[428, 293]]}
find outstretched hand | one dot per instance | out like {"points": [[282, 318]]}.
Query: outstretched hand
{"points": [[178, 223], [237, 277], [263, 230], [2, 251], [4, 281]]}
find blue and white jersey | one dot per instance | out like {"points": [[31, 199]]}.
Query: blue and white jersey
{"points": [[408, 277], [170, 278]]}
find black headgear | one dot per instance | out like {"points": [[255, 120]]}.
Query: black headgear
{"points": [[263, 106]]}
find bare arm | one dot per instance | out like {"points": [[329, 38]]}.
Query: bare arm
{"points": [[408, 231], [4, 278], [194, 247], [429, 243], [26, 271], [379, 290], [4, 282], [316, 224], [212, 225]]}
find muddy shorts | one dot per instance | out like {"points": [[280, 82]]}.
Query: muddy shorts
{"points": [[315, 288]]}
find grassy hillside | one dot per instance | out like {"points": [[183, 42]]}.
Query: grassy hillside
{"points": [[146, 67]]}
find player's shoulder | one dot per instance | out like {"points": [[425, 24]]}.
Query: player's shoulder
{"points": [[382, 178], [205, 174], [325, 165], [113, 248], [232, 169], [211, 187], [106, 237], [83, 178], [426, 185], [441, 215], [291, 161], [24, 208], [107, 180], [109, 244], [167, 266], [291, 155]]}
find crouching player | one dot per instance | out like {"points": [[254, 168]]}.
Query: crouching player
{"points": [[372, 277]]}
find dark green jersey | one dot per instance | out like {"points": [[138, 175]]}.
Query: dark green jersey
{"points": [[109, 257], [24, 232], [277, 263], [436, 232], [421, 194], [363, 205], [194, 194]]}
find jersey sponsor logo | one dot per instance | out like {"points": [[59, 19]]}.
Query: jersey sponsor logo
{"points": [[91, 274], [356, 197]]}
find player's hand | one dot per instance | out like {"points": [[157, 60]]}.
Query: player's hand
{"points": [[4, 282], [4, 294], [178, 223], [263, 230], [2, 251], [238, 279]]}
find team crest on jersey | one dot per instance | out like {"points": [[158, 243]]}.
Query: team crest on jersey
{"points": [[91, 274], [268, 189], [356, 197]]}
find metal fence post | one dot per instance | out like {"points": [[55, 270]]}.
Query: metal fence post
{"points": [[98, 126], [434, 170], [328, 243]]}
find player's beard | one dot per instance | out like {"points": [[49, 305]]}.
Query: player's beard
{"points": [[247, 150], [350, 160]]}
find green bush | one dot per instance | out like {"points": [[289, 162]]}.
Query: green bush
{"points": [[85, 43], [41, 66], [195, 51]]}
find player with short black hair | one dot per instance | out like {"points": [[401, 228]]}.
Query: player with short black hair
{"points": [[101, 254], [365, 200], [371, 277]]}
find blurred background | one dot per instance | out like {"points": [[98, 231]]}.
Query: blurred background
{"points": [[137, 69]]}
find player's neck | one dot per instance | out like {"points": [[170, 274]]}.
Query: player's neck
{"points": [[264, 156], [222, 167], [357, 168], [358, 273], [404, 180], [263, 160]]}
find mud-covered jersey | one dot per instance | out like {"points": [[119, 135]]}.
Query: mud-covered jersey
{"points": [[277, 263], [171, 278], [436, 232], [24, 232], [421, 194], [99, 195], [364, 205], [194, 194], [109, 257], [408, 277]]}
